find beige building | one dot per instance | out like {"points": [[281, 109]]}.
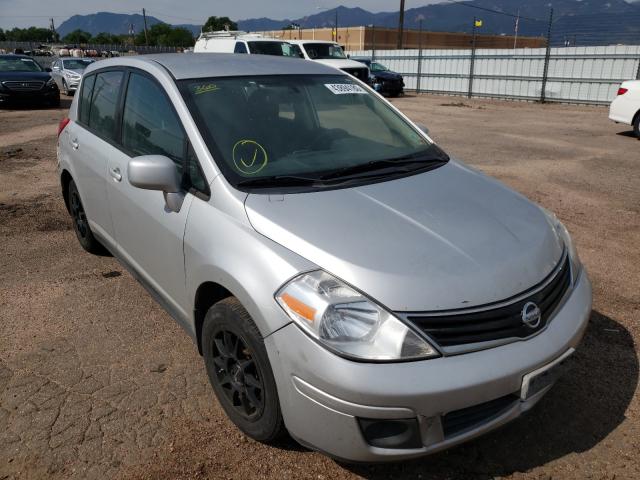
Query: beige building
{"points": [[367, 38]]}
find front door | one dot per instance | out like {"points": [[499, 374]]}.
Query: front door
{"points": [[149, 236]]}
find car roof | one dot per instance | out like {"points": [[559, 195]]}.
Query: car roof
{"points": [[308, 40], [15, 55], [201, 65]]}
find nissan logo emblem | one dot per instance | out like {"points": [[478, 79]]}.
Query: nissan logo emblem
{"points": [[531, 315]]}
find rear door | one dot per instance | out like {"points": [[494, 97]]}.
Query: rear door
{"points": [[149, 236], [91, 142]]}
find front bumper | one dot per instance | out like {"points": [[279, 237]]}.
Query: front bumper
{"points": [[46, 94], [322, 395]]}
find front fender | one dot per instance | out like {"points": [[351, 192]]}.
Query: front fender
{"points": [[223, 249]]}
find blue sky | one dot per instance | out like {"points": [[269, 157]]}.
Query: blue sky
{"points": [[23, 13]]}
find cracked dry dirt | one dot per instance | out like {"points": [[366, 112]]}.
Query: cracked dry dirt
{"points": [[96, 381]]}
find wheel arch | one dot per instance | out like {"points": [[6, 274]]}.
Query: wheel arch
{"points": [[65, 180], [207, 295]]}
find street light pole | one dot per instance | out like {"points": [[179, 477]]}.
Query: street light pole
{"points": [[401, 24], [336, 24]]}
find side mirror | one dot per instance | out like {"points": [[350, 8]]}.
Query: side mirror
{"points": [[157, 172], [423, 128]]}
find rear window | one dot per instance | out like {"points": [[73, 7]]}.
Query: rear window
{"points": [[102, 116]]}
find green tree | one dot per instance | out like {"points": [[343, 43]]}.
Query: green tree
{"points": [[77, 36], [219, 23], [104, 38], [165, 35], [31, 34], [3, 37]]}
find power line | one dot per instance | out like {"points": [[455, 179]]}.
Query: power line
{"points": [[497, 12]]}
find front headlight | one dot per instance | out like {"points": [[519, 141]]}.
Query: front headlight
{"points": [[563, 233], [51, 82], [347, 322], [72, 75]]}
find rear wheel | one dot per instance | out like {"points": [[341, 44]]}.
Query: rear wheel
{"points": [[239, 371], [636, 125], [80, 222]]}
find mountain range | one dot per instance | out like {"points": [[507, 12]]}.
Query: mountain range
{"points": [[582, 22]]}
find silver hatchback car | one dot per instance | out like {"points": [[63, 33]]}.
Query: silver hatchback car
{"points": [[343, 278]]}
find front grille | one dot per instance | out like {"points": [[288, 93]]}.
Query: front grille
{"points": [[360, 73], [26, 86], [459, 421], [456, 328]]}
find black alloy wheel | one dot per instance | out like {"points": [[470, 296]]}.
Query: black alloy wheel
{"points": [[238, 374]]}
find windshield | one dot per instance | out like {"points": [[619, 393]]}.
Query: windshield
{"points": [[18, 64], [314, 128], [76, 64], [324, 51], [378, 67], [279, 49]]}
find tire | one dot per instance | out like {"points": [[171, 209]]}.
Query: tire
{"points": [[80, 222], [636, 125], [65, 88], [55, 102], [239, 371]]}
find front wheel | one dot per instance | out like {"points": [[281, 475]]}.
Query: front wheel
{"points": [[65, 87], [239, 371], [80, 222]]}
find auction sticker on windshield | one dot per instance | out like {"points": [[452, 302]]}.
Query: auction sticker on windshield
{"points": [[343, 88]]}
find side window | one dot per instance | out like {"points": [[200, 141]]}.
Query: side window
{"points": [[149, 124], [102, 116], [240, 48], [85, 99]]}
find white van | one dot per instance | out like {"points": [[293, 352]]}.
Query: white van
{"points": [[241, 42], [330, 53]]}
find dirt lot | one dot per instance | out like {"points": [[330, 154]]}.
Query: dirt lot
{"points": [[96, 381]]}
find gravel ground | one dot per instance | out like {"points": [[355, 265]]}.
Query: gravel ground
{"points": [[96, 381]]}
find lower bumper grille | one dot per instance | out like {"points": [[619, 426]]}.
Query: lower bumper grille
{"points": [[26, 86], [459, 421]]}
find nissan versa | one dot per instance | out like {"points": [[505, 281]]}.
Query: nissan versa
{"points": [[343, 278]]}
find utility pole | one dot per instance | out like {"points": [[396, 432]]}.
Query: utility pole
{"points": [[547, 57], [146, 34], [515, 37], [473, 57], [53, 30], [336, 24], [419, 56], [401, 24], [373, 45]]}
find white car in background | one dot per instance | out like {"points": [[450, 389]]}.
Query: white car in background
{"points": [[330, 53], [625, 108], [241, 42]]}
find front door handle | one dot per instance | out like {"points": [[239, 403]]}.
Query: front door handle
{"points": [[75, 144], [115, 173]]}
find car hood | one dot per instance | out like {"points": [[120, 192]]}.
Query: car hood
{"points": [[387, 75], [445, 239], [26, 76], [340, 63]]}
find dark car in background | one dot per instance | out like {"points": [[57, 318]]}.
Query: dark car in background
{"points": [[23, 80], [382, 79]]}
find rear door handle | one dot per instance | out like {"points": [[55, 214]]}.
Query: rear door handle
{"points": [[115, 173], [75, 144]]}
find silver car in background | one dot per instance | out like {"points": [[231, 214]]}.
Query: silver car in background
{"points": [[67, 73], [344, 279]]}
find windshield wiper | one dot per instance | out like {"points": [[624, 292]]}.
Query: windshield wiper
{"points": [[278, 181], [405, 163]]}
